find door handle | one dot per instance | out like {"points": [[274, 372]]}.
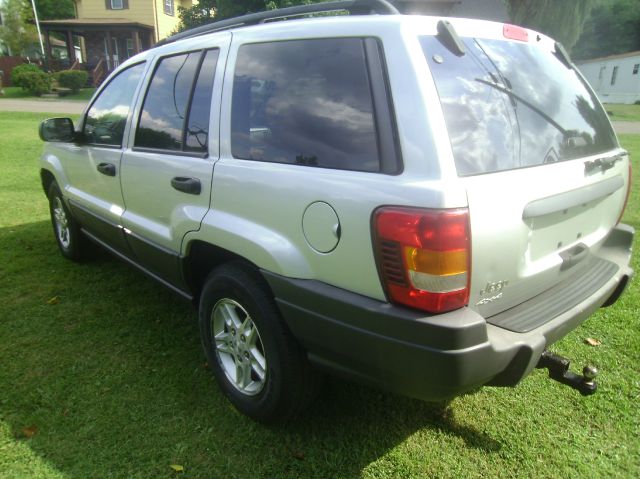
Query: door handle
{"points": [[108, 169], [186, 185]]}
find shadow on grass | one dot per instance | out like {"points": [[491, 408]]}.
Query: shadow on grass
{"points": [[107, 366]]}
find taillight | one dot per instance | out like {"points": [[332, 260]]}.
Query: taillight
{"points": [[626, 198], [424, 256]]}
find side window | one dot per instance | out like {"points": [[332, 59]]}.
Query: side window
{"points": [[166, 121], [305, 102], [107, 117], [197, 133]]}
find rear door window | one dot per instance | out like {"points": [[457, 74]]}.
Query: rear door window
{"points": [[305, 102], [511, 105], [175, 113]]}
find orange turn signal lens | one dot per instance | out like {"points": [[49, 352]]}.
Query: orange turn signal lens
{"points": [[440, 263]]}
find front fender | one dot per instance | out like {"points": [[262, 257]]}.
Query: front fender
{"points": [[51, 163]]}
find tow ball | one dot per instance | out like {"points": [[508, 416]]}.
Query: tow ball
{"points": [[558, 367]]}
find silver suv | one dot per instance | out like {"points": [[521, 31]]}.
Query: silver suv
{"points": [[421, 204]]}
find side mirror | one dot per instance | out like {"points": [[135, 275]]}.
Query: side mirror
{"points": [[57, 129]]}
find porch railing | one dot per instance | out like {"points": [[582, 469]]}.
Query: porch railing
{"points": [[99, 72]]}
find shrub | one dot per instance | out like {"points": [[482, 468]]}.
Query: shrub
{"points": [[35, 83], [17, 72], [72, 79]]}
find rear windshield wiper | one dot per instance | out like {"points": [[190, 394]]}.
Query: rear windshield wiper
{"points": [[514, 95]]}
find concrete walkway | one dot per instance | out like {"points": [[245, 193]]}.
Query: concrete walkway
{"points": [[627, 127], [70, 107], [77, 107]]}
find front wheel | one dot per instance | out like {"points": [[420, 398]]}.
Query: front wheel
{"points": [[71, 242], [256, 361]]}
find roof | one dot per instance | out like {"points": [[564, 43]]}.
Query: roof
{"points": [[93, 22], [610, 57]]}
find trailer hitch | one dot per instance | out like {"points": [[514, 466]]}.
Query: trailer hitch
{"points": [[558, 367]]}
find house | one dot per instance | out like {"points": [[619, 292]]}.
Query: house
{"points": [[616, 78], [108, 32]]}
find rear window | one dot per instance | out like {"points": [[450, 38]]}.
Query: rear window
{"points": [[512, 105], [305, 102]]}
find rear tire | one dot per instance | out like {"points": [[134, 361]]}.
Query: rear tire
{"points": [[255, 359], [71, 242]]}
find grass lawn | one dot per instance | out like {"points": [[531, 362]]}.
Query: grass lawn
{"points": [[17, 92], [101, 375], [618, 112]]}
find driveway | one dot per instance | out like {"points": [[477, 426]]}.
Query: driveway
{"points": [[627, 127], [70, 107]]}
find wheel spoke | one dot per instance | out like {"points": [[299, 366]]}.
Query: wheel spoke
{"points": [[243, 374], [258, 364], [231, 315], [250, 332]]}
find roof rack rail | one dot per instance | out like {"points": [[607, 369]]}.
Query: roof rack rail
{"points": [[354, 7]]}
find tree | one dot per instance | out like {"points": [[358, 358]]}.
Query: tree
{"points": [[233, 8], [562, 20], [206, 11], [15, 32], [198, 14], [612, 28], [49, 9]]}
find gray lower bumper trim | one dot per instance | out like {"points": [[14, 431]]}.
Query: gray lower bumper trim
{"points": [[555, 301]]}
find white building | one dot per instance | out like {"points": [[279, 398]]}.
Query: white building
{"points": [[616, 79]]}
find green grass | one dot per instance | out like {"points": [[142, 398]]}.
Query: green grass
{"points": [[112, 381], [14, 92], [17, 92], [618, 112]]}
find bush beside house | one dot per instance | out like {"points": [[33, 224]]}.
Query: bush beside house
{"points": [[72, 79], [31, 79]]}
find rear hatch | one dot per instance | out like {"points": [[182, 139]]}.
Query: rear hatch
{"points": [[545, 177]]}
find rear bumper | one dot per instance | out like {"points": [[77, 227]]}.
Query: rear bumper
{"points": [[429, 357]]}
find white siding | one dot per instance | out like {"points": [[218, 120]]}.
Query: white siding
{"points": [[599, 73]]}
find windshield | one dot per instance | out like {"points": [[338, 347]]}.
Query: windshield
{"points": [[512, 105]]}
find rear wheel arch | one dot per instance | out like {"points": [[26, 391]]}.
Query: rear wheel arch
{"points": [[203, 257]]}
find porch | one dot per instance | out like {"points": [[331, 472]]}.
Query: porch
{"points": [[96, 45]]}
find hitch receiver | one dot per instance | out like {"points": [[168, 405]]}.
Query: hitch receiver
{"points": [[558, 367]]}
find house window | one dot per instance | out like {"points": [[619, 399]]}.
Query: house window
{"points": [[168, 7], [636, 67], [614, 74], [117, 4], [130, 51]]}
